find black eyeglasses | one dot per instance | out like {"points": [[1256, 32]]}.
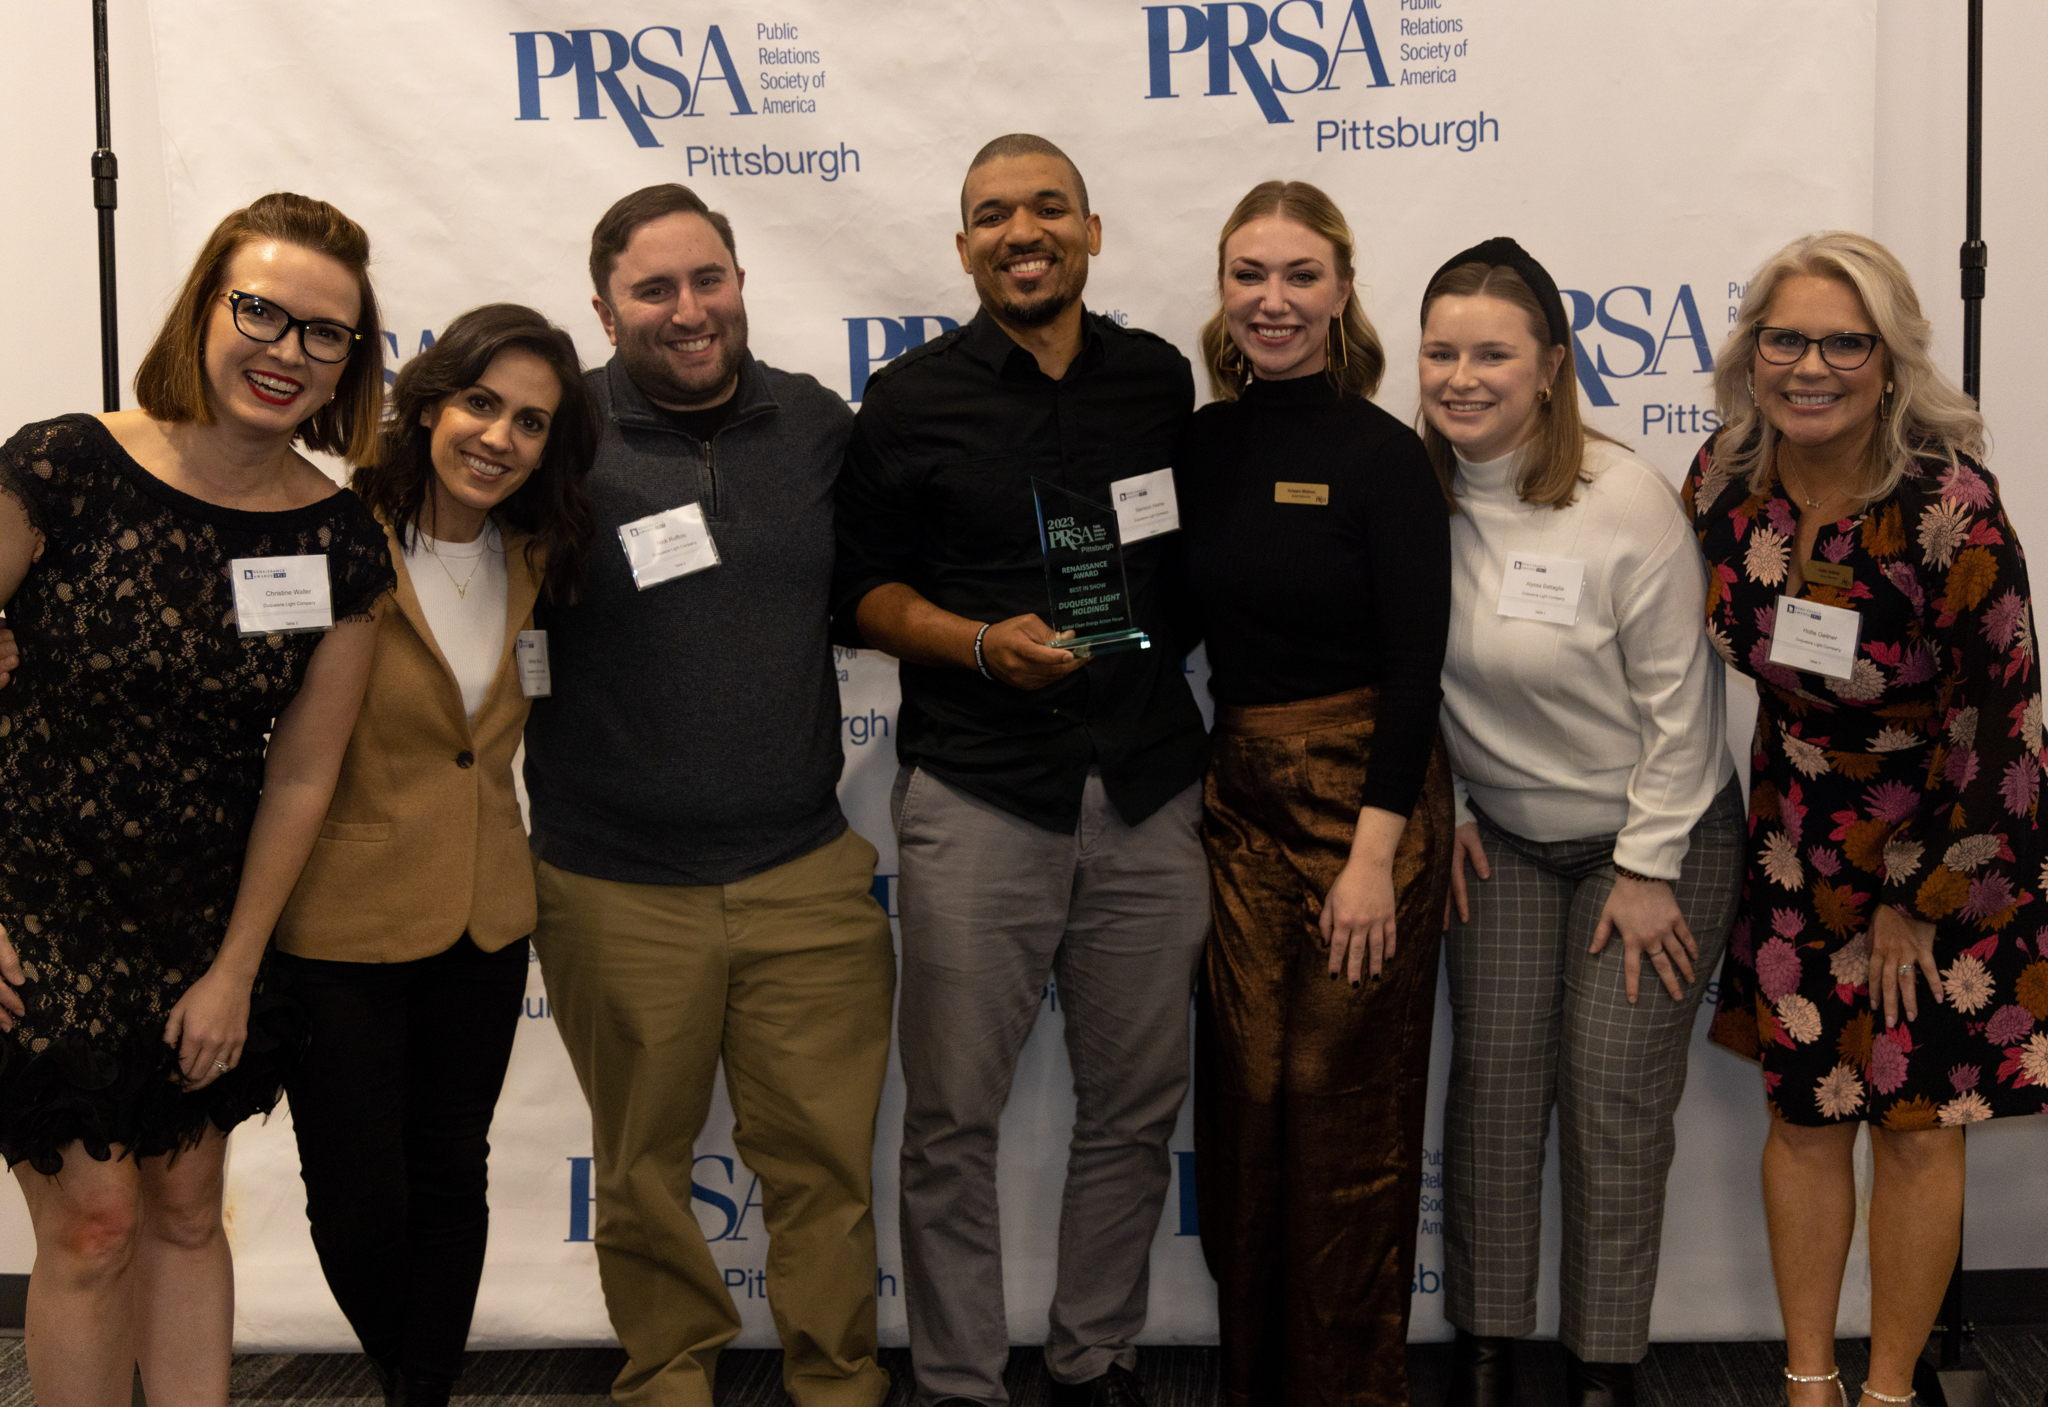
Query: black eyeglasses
{"points": [[1844, 351], [260, 320]]}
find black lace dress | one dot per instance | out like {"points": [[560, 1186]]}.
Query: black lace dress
{"points": [[131, 756]]}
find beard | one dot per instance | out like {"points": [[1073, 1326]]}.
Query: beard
{"points": [[1043, 307], [659, 380]]}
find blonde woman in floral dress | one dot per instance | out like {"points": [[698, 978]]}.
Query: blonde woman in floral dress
{"points": [[1890, 964]]}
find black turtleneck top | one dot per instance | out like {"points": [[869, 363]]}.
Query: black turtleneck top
{"points": [[1299, 598]]}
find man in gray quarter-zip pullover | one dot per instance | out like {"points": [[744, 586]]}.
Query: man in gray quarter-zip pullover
{"points": [[701, 896]]}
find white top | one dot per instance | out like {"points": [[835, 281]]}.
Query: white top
{"points": [[461, 586], [1610, 724]]}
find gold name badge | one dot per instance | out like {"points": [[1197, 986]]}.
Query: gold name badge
{"points": [[1830, 574], [1301, 493]]}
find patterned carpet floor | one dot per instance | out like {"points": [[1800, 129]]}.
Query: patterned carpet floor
{"points": [[1674, 1375]]}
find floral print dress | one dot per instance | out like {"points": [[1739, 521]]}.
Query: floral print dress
{"points": [[1915, 782]]}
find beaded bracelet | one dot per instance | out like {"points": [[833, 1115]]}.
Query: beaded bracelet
{"points": [[1643, 878], [980, 663]]}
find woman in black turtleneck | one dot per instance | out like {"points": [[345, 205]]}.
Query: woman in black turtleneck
{"points": [[1317, 539]]}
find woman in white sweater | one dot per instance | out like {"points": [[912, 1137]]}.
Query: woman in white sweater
{"points": [[1599, 819]]}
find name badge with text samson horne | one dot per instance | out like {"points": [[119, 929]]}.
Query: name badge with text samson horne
{"points": [[1146, 506], [282, 595], [1818, 639], [663, 546]]}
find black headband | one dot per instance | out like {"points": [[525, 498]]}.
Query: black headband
{"points": [[1502, 250]]}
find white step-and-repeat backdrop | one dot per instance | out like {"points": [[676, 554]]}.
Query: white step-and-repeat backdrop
{"points": [[1651, 155]]}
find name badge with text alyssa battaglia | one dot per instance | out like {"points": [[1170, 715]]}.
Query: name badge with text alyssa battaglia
{"points": [[1818, 639], [1534, 587], [282, 595], [663, 546]]}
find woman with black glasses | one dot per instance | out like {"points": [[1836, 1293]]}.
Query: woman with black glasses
{"points": [[1887, 965], [194, 603]]}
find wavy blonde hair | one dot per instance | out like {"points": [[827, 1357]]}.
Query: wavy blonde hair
{"points": [[1355, 370], [1928, 414]]}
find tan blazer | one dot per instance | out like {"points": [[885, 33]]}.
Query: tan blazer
{"points": [[423, 841]]}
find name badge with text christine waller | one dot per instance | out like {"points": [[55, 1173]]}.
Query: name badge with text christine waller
{"points": [[282, 595]]}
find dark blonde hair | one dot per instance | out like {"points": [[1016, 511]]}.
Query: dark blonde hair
{"points": [[1357, 362], [1925, 414], [170, 384], [1556, 465]]}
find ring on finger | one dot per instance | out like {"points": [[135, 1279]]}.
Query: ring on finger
{"points": [[1905, 969]]}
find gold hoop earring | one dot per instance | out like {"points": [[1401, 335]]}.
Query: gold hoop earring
{"points": [[1233, 365], [1339, 351]]}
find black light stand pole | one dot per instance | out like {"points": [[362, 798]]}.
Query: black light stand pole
{"points": [[1963, 1382], [105, 173]]}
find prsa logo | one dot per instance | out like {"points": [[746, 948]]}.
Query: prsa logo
{"points": [[896, 336], [393, 356], [726, 1205], [1244, 42], [1630, 331], [603, 63]]}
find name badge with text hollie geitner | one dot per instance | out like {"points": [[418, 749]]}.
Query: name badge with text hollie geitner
{"points": [[663, 546], [1534, 587], [1818, 639], [282, 595]]}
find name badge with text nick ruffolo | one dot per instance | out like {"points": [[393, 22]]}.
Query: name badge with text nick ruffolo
{"points": [[1818, 639], [530, 658], [282, 595], [1146, 506], [663, 546], [1317, 495], [1535, 587]]}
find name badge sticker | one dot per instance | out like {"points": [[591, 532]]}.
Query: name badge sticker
{"points": [[282, 595], [1535, 587], [1818, 639], [663, 546], [530, 657], [1314, 494], [1146, 505]]}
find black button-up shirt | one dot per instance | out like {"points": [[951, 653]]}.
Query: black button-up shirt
{"points": [[936, 494]]}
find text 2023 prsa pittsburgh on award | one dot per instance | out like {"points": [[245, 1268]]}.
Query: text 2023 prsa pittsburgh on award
{"points": [[1084, 573]]}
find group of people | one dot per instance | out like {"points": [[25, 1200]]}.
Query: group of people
{"points": [[261, 835]]}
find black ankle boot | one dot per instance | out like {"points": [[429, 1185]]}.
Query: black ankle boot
{"points": [[1598, 1384], [1482, 1371], [416, 1391]]}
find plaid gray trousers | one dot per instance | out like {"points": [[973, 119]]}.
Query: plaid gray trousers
{"points": [[1538, 1021]]}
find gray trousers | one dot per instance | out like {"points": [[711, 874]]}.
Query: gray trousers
{"points": [[1538, 1021], [991, 906]]}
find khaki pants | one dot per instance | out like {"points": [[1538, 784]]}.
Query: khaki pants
{"points": [[787, 976]]}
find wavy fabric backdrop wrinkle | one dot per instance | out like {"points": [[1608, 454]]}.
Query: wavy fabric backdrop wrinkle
{"points": [[1641, 147]]}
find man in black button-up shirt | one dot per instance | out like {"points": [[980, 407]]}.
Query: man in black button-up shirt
{"points": [[1047, 804]]}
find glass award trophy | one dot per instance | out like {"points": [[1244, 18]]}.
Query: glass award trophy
{"points": [[1084, 573]]}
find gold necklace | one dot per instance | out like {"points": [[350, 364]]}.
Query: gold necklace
{"points": [[461, 587]]}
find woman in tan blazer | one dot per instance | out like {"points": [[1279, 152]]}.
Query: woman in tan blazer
{"points": [[405, 941]]}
